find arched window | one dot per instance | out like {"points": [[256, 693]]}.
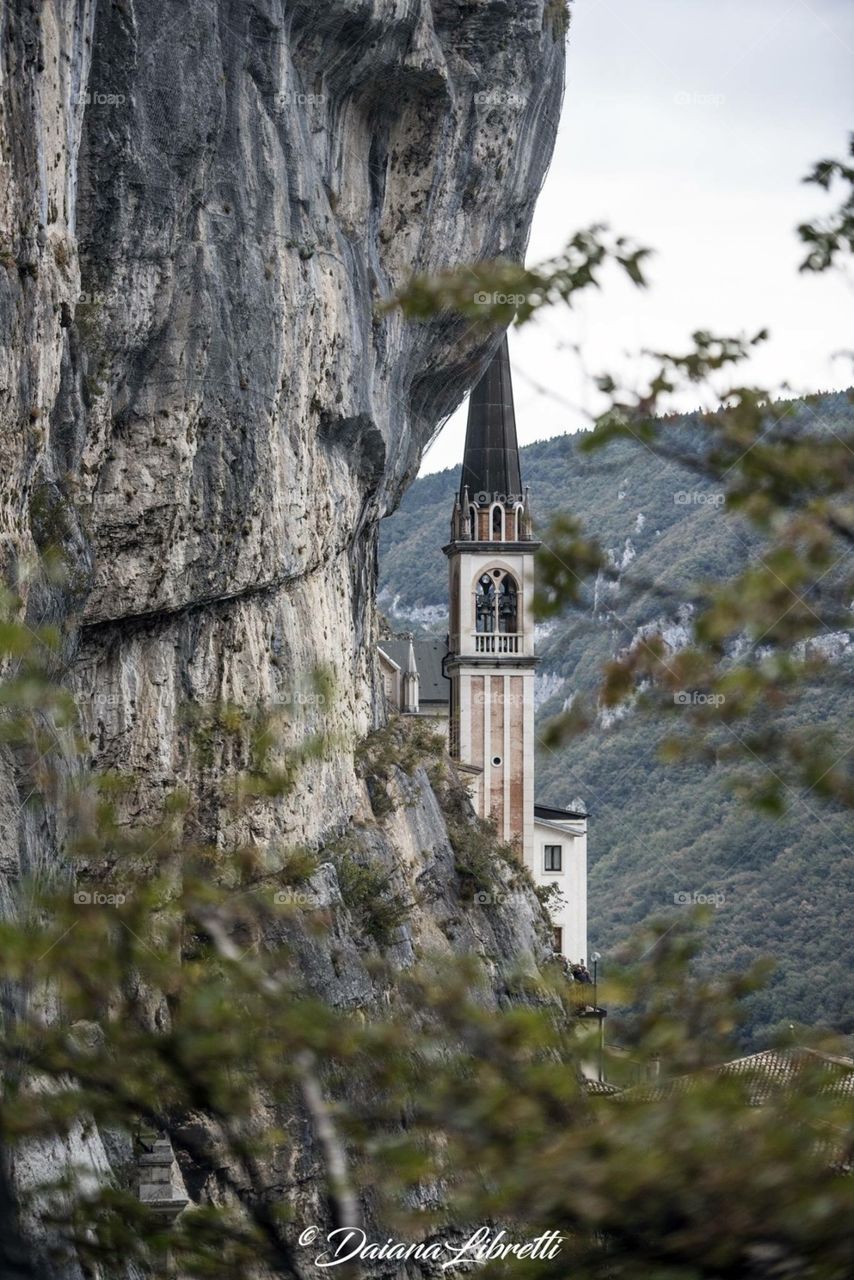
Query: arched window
{"points": [[473, 523], [497, 523], [485, 604], [507, 610]]}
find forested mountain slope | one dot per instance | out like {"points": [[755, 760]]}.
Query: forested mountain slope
{"points": [[661, 834]]}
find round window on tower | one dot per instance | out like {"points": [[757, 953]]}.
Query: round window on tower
{"points": [[496, 760]]}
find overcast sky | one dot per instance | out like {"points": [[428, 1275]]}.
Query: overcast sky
{"points": [[688, 124]]}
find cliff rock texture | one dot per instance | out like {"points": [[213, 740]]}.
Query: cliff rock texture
{"points": [[202, 202]]}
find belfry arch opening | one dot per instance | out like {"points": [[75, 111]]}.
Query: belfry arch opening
{"points": [[485, 605], [508, 597], [497, 603]]}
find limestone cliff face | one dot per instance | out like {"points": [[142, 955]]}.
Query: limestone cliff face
{"points": [[202, 202]]}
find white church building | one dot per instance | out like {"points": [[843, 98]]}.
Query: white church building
{"points": [[481, 680]]}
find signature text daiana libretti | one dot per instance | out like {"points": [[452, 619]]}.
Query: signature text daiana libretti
{"points": [[351, 1244]]}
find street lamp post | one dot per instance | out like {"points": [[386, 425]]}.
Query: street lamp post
{"points": [[599, 1015]]}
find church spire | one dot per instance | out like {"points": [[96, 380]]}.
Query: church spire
{"points": [[491, 459], [411, 682]]}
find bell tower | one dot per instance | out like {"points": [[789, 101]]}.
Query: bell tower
{"points": [[491, 641]]}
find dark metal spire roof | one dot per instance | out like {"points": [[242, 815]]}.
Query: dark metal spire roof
{"points": [[491, 458]]}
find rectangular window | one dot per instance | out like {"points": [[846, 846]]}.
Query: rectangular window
{"points": [[558, 941], [553, 857]]}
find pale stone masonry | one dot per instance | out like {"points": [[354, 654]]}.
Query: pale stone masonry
{"points": [[160, 1184]]}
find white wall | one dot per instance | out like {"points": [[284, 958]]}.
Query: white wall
{"points": [[572, 881]]}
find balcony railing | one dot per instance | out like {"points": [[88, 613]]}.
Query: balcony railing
{"points": [[498, 642]]}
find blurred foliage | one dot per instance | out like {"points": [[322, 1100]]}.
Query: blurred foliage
{"points": [[367, 889], [556, 18], [757, 636], [498, 292], [830, 238], [159, 991]]}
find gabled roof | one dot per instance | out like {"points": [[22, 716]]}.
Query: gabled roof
{"points": [[601, 1088], [781, 1068], [491, 457], [550, 813], [432, 685], [381, 649], [768, 1072]]}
